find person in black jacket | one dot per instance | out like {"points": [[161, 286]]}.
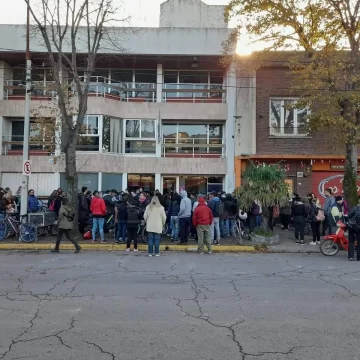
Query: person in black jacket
{"points": [[314, 222], [298, 212], [83, 208], [121, 220], [230, 211], [354, 234]]}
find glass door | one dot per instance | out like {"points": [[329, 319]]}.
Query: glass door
{"points": [[169, 184]]}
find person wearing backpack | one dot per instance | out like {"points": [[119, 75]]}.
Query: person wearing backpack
{"points": [[133, 220], [66, 224], [316, 215], [354, 234], [217, 208]]}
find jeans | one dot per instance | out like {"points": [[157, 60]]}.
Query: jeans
{"points": [[60, 234], [315, 228], [184, 224], [121, 230], [215, 228], [299, 224], [351, 250], [174, 223], [98, 223], [203, 232], [153, 240], [228, 226], [258, 220]]}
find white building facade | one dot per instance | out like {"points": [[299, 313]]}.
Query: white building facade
{"points": [[161, 115]]}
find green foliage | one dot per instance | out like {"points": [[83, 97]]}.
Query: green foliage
{"points": [[265, 183], [264, 232]]}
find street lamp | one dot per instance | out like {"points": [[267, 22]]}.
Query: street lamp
{"points": [[26, 171]]}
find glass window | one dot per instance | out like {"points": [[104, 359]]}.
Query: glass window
{"points": [[140, 147], [146, 182], [170, 77], [132, 128], [111, 181], [89, 180], [121, 75], [89, 134], [19, 74], [100, 75], [193, 77], [286, 119], [216, 77], [145, 76], [148, 129]]}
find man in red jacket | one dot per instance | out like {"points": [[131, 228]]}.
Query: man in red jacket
{"points": [[202, 220]]}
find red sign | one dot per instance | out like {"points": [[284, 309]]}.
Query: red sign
{"points": [[27, 168], [325, 180]]}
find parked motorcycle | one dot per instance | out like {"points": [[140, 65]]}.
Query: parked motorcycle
{"points": [[332, 244]]}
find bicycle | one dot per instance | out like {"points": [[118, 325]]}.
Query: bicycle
{"points": [[142, 233], [26, 232], [240, 232]]}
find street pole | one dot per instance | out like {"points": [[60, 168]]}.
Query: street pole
{"points": [[25, 178]]}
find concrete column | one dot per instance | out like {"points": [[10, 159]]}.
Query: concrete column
{"points": [[158, 184], [230, 129], [124, 181], [1, 134], [6, 73], [56, 180], [100, 182], [159, 82]]}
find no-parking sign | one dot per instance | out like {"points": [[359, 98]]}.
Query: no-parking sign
{"points": [[27, 168]]}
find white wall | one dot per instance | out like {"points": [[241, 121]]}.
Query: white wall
{"points": [[191, 13], [5, 74], [42, 183]]}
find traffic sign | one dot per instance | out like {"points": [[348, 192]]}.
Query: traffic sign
{"points": [[27, 168]]}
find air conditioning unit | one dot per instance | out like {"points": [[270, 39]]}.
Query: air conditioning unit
{"points": [[300, 174]]}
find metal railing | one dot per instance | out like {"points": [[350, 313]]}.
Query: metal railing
{"points": [[288, 131], [193, 147], [195, 93], [14, 143], [99, 87]]}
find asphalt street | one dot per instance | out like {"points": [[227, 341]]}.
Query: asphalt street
{"points": [[107, 306]]}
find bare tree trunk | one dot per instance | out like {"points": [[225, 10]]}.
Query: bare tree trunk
{"points": [[350, 175]]}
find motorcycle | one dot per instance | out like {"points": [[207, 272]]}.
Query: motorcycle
{"points": [[332, 244]]}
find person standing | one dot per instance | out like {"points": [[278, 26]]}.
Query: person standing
{"points": [[121, 220], [174, 213], [329, 202], [98, 210], [299, 214], [155, 219], [217, 208], [133, 220], [83, 208], [336, 214], [33, 202], [284, 216], [314, 222], [66, 224], [354, 235], [184, 217], [202, 221]]}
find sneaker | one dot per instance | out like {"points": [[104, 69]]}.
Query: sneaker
{"points": [[302, 242], [200, 253], [209, 252], [351, 259], [157, 255], [103, 241], [54, 250], [312, 243], [136, 250], [318, 243], [150, 255], [297, 241], [286, 229], [77, 250], [127, 250], [217, 244], [94, 241]]}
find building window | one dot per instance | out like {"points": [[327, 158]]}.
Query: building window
{"points": [[144, 181], [84, 179], [192, 140], [140, 136], [286, 119], [89, 134], [111, 181]]}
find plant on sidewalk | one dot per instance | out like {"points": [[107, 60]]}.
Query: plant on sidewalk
{"points": [[265, 184]]}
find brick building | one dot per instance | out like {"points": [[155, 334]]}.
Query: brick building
{"points": [[312, 162]]}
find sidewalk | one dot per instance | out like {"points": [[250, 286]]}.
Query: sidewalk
{"points": [[287, 245]]}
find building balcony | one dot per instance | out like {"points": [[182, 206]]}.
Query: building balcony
{"points": [[288, 132], [13, 145], [194, 93], [193, 148]]}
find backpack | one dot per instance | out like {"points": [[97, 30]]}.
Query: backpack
{"points": [[219, 208], [354, 222], [52, 205], [255, 209], [320, 215], [133, 215]]}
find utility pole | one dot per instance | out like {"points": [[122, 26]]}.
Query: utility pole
{"points": [[25, 178]]}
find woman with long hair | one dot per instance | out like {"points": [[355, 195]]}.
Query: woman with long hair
{"points": [[155, 219]]}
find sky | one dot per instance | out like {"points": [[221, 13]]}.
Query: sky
{"points": [[142, 12]]}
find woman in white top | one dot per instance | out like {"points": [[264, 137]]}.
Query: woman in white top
{"points": [[155, 219]]}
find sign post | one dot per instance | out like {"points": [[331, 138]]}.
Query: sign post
{"points": [[27, 168]]}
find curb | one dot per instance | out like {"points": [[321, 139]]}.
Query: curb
{"points": [[111, 247]]}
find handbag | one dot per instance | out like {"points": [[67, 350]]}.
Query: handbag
{"points": [[320, 216]]}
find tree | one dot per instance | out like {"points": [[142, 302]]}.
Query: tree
{"points": [[69, 28], [327, 71], [265, 184]]}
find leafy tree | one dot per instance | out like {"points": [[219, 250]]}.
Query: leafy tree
{"points": [[73, 32], [266, 184], [328, 69]]}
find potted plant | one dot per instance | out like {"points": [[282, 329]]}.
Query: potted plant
{"points": [[266, 185]]}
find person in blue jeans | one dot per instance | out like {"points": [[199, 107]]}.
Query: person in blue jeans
{"points": [[121, 220], [174, 212], [155, 219], [98, 211]]}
